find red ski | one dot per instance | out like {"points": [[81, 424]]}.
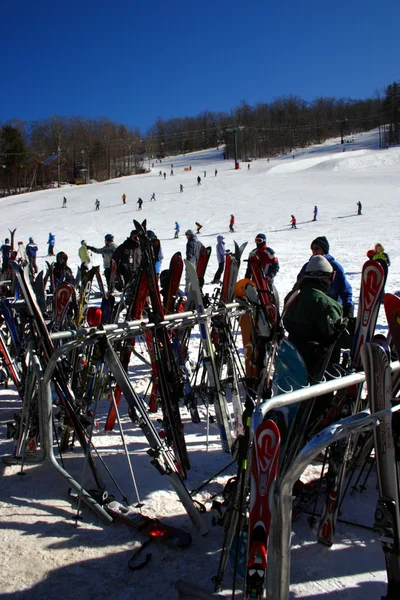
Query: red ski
{"points": [[264, 470]]}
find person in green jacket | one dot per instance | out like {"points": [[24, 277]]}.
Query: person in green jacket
{"points": [[85, 257], [313, 320]]}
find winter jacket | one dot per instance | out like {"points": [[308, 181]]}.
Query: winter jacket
{"points": [[106, 251], [340, 288], [382, 256], [5, 251], [193, 249], [51, 240], [128, 257], [312, 316], [62, 273], [31, 250], [84, 254], [269, 261], [220, 249]]}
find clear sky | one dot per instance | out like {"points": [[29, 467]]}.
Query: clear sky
{"points": [[134, 62]]}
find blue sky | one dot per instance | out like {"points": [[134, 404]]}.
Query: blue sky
{"points": [[135, 62]]}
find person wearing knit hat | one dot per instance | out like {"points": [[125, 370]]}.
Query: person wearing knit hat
{"points": [[339, 289]]}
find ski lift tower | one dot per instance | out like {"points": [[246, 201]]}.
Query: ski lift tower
{"points": [[234, 130]]}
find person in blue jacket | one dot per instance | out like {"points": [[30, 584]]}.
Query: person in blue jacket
{"points": [[51, 243], [340, 289], [177, 229], [31, 253]]}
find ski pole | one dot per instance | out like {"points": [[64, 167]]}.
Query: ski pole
{"points": [[139, 503]]}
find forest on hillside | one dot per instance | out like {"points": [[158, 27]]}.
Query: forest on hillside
{"points": [[58, 150]]}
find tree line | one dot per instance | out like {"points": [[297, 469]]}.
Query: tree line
{"points": [[52, 151]]}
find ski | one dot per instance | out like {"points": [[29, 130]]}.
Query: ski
{"points": [[264, 470], [209, 361]]}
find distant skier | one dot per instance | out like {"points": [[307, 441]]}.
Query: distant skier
{"points": [[51, 243], [198, 180], [293, 222], [198, 227], [231, 224], [359, 208], [165, 175], [177, 229], [153, 197], [215, 173], [64, 204], [205, 173], [139, 203], [31, 253], [180, 187], [123, 198], [5, 253], [220, 247], [172, 172], [315, 213], [97, 204], [160, 173], [248, 167]]}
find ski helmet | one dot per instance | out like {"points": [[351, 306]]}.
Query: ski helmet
{"points": [[318, 266], [7, 241], [62, 258], [109, 237], [30, 240], [150, 234], [260, 239], [83, 242]]}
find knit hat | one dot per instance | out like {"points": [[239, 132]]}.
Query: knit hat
{"points": [[322, 242], [260, 239], [189, 232], [318, 266]]}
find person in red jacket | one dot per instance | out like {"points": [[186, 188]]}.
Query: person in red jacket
{"points": [[231, 224], [293, 221], [269, 262]]}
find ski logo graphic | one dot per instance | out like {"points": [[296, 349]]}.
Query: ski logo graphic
{"points": [[267, 449], [372, 281], [63, 297]]}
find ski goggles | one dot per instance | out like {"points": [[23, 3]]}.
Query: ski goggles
{"points": [[259, 240]]}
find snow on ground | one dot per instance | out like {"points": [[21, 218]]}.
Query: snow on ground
{"points": [[43, 552]]}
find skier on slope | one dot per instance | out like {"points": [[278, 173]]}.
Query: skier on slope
{"points": [[106, 251], [139, 203], [359, 208], [5, 253], [51, 242], [340, 289], [293, 221], [177, 229], [31, 253], [315, 213], [269, 262], [123, 197], [97, 204], [231, 224], [221, 253], [313, 316]]}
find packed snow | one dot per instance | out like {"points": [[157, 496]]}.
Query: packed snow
{"points": [[44, 552]]}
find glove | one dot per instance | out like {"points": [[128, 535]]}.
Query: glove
{"points": [[348, 310], [89, 247]]}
